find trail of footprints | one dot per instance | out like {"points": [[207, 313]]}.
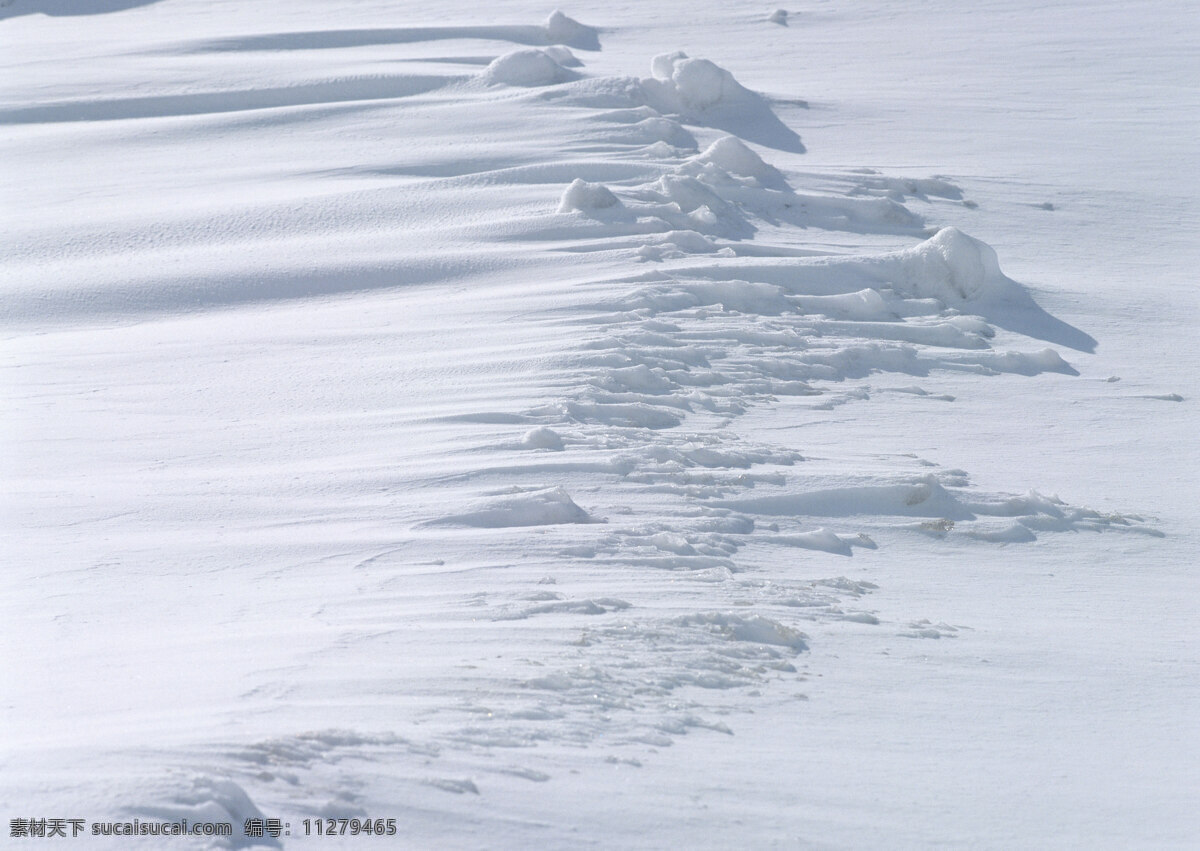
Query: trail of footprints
{"points": [[710, 322], [675, 353]]}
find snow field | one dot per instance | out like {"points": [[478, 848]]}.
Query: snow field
{"points": [[476, 437]]}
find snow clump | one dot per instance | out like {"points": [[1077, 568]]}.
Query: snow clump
{"points": [[696, 84], [953, 265], [526, 68], [732, 155], [542, 438], [584, 196]]}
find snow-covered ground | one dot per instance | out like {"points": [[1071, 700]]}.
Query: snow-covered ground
{"points": [[642, 425]]}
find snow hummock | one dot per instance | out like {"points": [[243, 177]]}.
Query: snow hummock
{"points": [[527, 68], [953, 266], [698, 84], [584, 196], [735, 157], [543, 438]]}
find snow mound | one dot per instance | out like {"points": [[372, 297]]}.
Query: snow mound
{"points": [[952, 266], [702, 92], [543, 438], [547, 507], [584, 196], [696, 84], [779, 16], [527, 68], [732, 155], [563, 30]]}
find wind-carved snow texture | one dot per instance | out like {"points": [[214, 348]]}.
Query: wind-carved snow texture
{"points": [[673, 354], [630, 479]]}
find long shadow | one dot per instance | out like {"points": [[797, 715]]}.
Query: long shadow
{"points": [[535, 36], [222, 290], [1021, 314], [59, 8], [753, 120], [160, 106]]}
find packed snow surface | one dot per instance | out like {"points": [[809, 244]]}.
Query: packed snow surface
{"points": [[618, 426]]}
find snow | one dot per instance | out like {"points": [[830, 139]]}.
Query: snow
{"points": [[583, 196], [526, 68], [543, 438], [424, 414], [564, 30], [538, 508], [730, 154]]}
